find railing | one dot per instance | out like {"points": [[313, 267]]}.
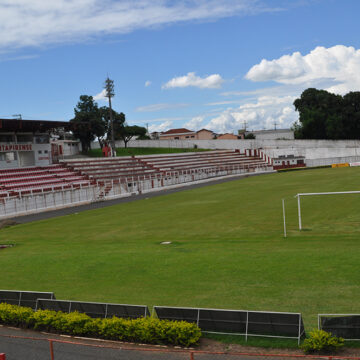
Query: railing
{"points": [[126, 186], [31, 201]]}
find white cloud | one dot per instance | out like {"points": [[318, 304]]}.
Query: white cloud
{"points": [[260, 114], [224, 123], [101, 96], [338, 67], [210, 82], [147, 83], [166, 125], [159, 107], [195, 123], [38, 22]]}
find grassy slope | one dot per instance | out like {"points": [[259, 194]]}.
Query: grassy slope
{"points": [[227, 249], [142, 151]]}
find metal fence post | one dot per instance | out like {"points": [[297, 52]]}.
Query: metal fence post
{"points": [[191, 355], [247, 323], [51, 350]]}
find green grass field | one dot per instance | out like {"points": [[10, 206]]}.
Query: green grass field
{"points": [[227, 249], [143, 151]]}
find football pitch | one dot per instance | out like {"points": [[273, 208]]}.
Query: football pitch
{"points": [[227, 248]]}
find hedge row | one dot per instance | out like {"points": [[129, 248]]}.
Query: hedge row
{"points": [[143, 330]]}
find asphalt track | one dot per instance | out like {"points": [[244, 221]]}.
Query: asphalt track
{"points": [[19, 344], [102, 204]]}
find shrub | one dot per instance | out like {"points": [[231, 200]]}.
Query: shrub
{"points": [[144, 330], [15, 315], [322, 341]]}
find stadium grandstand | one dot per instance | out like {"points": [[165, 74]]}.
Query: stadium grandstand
{"points": [[116, 176], [34, 179]]}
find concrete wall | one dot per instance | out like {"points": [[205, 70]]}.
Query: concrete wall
{"points": [[333, 160], [316, 152], [322, 147], [273, 134]]}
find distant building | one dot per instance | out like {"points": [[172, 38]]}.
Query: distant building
{"points": [[288, 161], [27, 142], [177, 134], [227, 136], [279, 134], [154, 135], [186, 134], [67, 147], [205, 134]]}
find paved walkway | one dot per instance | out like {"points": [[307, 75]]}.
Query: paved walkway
{"points": [[22, 345]]}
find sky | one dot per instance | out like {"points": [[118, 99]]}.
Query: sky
{"points": [[217, 64]]}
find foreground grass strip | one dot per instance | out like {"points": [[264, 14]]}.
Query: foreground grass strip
{"points": [[266, 343], [141, 330]]}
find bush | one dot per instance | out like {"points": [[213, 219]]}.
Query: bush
{"points": [[143, 330], [322, 341]]}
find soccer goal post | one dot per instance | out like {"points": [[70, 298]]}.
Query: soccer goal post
{"points": [[316, 194]]}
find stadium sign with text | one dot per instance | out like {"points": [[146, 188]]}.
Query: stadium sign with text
{"points": [[16, 147]]}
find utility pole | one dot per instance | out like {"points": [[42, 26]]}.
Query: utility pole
{"points": [[275, 124], [245, 123], [109, 88]]}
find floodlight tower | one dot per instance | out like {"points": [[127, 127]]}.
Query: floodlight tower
{"points": [[109, 89]]}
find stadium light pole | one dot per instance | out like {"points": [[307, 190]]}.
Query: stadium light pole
{"points": [[109, 88]]}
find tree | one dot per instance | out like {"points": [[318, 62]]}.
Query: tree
{"points": [[320, 115], [249, 136], [88, 122], [118, 122], [126, 132], [351, 114]]}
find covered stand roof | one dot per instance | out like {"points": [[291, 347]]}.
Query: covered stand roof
{"points": [[10, 125]]}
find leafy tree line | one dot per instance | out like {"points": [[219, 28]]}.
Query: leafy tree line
{"points": [[91, 122], [323, 115]]}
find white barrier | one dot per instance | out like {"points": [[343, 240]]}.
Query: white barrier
{"points": [[109, 189], [50, 200]]}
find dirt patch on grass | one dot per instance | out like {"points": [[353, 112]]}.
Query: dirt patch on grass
{"points": [[217, 346], [7, 223]]}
